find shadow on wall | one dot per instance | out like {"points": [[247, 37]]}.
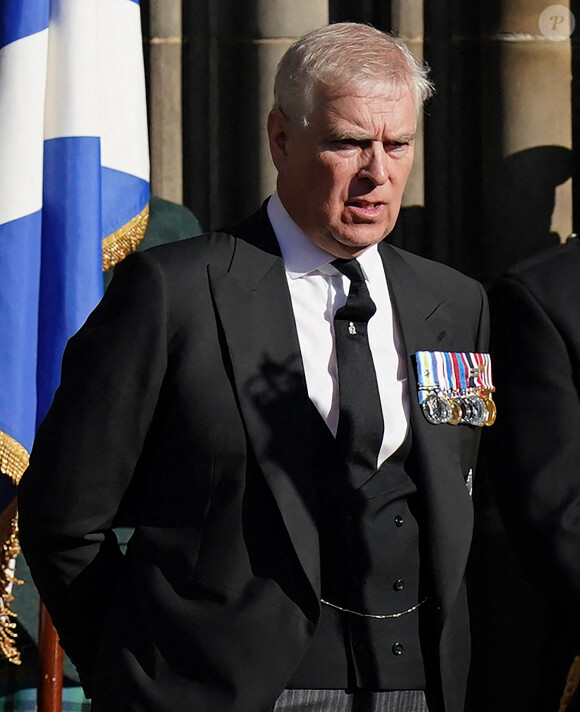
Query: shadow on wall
{"points": [[515, 222], [521, 201]]}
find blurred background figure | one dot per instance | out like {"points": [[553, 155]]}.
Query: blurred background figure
{"points": [[532, 457]]}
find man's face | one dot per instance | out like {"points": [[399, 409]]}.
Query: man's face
{"points": [[341, 179]]}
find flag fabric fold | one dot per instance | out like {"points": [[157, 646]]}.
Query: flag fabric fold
{"points": [[74, 193]]}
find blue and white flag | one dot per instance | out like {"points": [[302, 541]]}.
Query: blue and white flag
{"points": [[74, 192]]}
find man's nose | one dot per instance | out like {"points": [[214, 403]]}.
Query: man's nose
{"points": [[376, 165]]}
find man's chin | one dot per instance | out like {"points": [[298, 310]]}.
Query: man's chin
{"points": [[348, 249], [361, 237]]}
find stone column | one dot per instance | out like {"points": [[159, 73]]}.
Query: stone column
{"points": [[165, 45], [526, 134], [407, 22], [452, 142], [197, 80], [375, 12], [231, 55], [250, 39]]}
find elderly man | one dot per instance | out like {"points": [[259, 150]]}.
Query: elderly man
{"points": [[248, 401]]}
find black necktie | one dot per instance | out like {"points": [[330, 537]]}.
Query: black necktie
{"points": [[360, 423]]}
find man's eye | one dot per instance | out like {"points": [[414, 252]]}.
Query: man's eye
{"points": [[350, 143]]}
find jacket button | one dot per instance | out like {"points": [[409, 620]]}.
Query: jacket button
{"points": [[397, 649], [399, 585], [399, 521]]}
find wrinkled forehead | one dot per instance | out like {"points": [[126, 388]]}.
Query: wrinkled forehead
{"points": [[379, 91], [378, 98]]}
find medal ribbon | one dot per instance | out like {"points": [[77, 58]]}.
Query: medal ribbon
{"points": [[427, 373], [451, 372]]}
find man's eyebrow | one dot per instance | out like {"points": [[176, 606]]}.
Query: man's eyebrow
{"points": [[339, 134], [407, 137]]}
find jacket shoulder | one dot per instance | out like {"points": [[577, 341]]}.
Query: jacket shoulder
{"points": [[208, 248], [442, 279], [549, 270], [548, 283]]}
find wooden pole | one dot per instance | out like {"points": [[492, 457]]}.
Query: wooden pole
{"points": [[49, 665]]}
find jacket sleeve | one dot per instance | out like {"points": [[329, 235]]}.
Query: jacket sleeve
{"points": [[534, 448], [85, 453]]}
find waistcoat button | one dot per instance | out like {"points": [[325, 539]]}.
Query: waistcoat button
{"points": [[397, 649]]}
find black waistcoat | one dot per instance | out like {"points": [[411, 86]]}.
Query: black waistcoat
{"points": [[369, 550]]}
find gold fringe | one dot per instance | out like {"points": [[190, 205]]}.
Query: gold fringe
{"points": [[124, 240], [571, 684], [8, 553], [13, 457], [13, 461]]}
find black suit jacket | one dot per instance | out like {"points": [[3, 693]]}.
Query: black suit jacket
{"points": [[536, 444], [532, 459], [183, 411]]}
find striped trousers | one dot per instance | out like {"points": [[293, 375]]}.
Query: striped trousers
{"points": [[359, 701]]}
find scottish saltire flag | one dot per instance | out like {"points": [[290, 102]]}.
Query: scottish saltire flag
{"points": [[74, 191]]}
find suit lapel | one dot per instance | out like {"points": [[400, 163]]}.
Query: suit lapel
{"points": [[426, 324], [284, 428]]}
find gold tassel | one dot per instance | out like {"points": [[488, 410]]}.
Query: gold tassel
{"points": [[8, 553], [13, 462], [571, 684], [124, 240]]}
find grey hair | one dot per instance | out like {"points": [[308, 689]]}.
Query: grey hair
{"points": [[346, 55]]}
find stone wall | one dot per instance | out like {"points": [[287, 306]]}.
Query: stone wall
{"points": [[491, 182]]}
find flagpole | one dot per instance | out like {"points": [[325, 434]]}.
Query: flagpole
{"points": [[49, 697]]}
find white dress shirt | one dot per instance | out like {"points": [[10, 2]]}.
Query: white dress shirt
{"points": [[317, 290]]}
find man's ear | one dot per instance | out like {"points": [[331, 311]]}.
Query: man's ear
{"points": [[278, 129]]}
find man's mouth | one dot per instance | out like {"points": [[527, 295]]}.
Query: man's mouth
{"points": [[364, 203], [365, 208]]}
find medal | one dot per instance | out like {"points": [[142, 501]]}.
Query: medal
{"points": [[491, 409], [473, 410], [437, 409], [455, 388], [456, 413]]}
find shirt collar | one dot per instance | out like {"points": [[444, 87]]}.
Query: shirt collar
{"points": [[301, 256], [371, 263]]}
